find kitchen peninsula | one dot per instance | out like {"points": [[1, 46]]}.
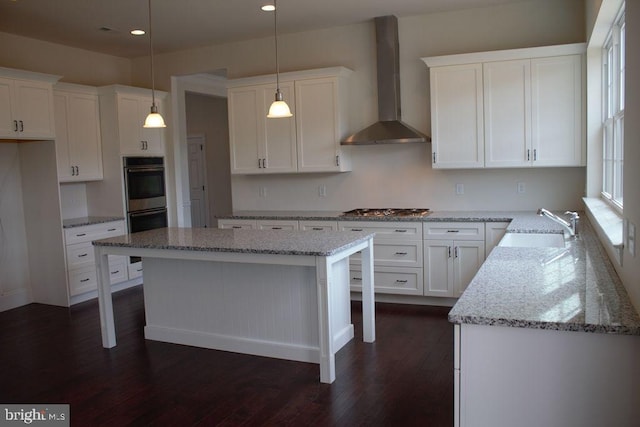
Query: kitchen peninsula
{"points": [[282, 294]]}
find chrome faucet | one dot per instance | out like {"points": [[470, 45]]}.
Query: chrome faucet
{"points": [[571, 225]]}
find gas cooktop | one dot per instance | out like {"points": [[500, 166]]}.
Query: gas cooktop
{"points": [[387, 212]]}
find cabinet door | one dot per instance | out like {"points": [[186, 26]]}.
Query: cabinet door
{"points": [[245, 129], [318, 122], [66, 172], [493, 233], [84, 136], [7, 125], [438, 268], [134, 139], [279, 136], [33, 108], [468, 257], [457, 139], [507, 113], [556, 87]]}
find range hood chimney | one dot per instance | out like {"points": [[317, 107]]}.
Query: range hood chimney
{"points": [[389, 129]]}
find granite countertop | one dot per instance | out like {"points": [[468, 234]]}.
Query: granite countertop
{"points": [[575, 288], [277, 242], [88, 220]]}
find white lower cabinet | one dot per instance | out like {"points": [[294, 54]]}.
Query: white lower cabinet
{"points": [[81, 264], [493, 232], [279, 224], [249, 224], [450, 264], [397, 256], [318, 225]]}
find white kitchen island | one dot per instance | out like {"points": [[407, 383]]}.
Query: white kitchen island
{"points": [[282, 294]]}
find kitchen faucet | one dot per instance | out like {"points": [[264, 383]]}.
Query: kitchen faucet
{"points": [[571, 225]]}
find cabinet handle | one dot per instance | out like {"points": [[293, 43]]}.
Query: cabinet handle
{"points": [[139, 269], [21, 126], [276, 228], [317, 228], [82, 255], [112, 229], [81, 234], [15, 126], [84, 280], [434, 157], [115, 272], [400, 231], [264, 163], [401, 253], [535, 154], [455, 252], [449, 251], [357, 279], [356, 229], [453, 231], [73, 171], [401, 281], [337, 160], [528, 155], [236, 226]]}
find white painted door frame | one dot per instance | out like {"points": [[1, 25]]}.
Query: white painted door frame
{"points": [[205, 84]]}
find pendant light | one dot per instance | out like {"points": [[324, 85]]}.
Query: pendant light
{"points": [[154, 119], [279, 108]]}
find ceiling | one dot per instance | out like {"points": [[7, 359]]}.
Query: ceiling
{"points": [[181, 24]]}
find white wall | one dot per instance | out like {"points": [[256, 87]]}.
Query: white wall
{"points": [[397, 175], [73, 200]]}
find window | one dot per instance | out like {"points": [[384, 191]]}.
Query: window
{"points": [[613, 109]]}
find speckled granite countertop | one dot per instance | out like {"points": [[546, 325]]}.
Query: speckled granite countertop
{"points": [[567, 289], [88, 220], [277, 242], [574, 288]]}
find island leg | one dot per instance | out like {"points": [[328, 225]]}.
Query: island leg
{"points": [[368, 301], [327, 353], [105, 303]]}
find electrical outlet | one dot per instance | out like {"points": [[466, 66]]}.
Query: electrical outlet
{"points": [[322, 191], [522, 188], [459, 188], [263, 191]]}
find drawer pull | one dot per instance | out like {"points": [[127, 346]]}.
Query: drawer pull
{"points": [[318, 228], [139, 269], [82, 255], [401, 253], [400, 231], [357, 279], [356, 229], [84, 280], [236, 226], [112, 229], [81, 234], [276, 228], [401, 281], [453, 231], [115, 272]]}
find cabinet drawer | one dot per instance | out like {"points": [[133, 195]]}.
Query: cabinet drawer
{"points": [[277, 225], [319, 225], [135, 270], [93, 232], [248, 224], [82, 280], [454, 230], [394, 253], [385, 229], [80, 254], [118, 269], [389, 280]]}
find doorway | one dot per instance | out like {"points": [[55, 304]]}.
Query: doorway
{"points": [[198, 190]]}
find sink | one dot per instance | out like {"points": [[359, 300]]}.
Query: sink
{"points": [[533, 240]]}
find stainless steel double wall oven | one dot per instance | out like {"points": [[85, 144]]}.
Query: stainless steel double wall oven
{"points": [[145, 190]]}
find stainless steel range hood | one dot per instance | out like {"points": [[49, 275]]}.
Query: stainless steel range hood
{"points": [[389, 129]]}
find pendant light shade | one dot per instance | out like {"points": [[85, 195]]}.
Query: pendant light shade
{"points": [[154, 119], [279, 108]]}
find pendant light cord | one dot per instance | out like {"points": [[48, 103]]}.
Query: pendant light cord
{"points": [[153, 82], [275, 36]]}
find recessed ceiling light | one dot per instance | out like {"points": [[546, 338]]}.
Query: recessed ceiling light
{"points": [[268, 8], [137, 32]]}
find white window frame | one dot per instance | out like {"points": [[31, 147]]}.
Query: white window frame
{"points": [[613, 80]]}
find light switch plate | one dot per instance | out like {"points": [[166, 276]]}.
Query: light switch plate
{"points": [[459, 188], [522, 188]]}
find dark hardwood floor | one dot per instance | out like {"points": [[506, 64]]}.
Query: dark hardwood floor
{"points": [[54, 355]]}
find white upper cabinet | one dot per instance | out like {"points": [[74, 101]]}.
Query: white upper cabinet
{"points": [[26, 105], [515, 108], [78, 143], [123, 110], [457, 137], [307, 142]]}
